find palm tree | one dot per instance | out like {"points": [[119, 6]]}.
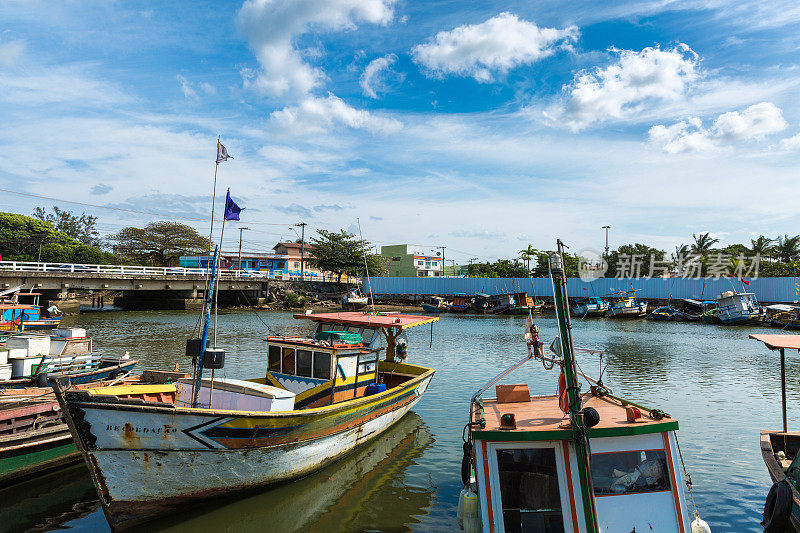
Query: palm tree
{"points": [[703, 243], [527, 254], [788, 248], [762, 246]]}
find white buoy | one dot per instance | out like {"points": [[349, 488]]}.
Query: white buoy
{"points": [[700, 526], [471, 512]]}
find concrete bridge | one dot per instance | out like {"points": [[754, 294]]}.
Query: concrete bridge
{"points": [[142, 287]]}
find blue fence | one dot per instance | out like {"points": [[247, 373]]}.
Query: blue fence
{"points": [[766, 289]]}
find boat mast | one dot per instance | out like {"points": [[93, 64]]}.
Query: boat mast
{"points": [[579, 429], [198, 371]]}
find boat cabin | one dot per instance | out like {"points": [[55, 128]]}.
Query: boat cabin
{"points": [[341, 359], [460, 302], [525, 465]]}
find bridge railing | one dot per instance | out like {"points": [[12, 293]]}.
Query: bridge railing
{"points": [[124, 270]]}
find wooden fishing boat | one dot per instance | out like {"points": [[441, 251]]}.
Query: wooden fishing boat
{"points": [[460, 303], [522, 304], [782, 316], [21, 311], [625, 305], [739, 308], [587, 462], [779, 450], [353, 300], [320, 396], [591, 306]]}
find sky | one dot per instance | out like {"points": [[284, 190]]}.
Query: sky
{"points": [[480, 126]]}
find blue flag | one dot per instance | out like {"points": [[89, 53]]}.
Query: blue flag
{"points": [[231, 209]]}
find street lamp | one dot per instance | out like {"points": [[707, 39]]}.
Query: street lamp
{"points": [[606, 228]]}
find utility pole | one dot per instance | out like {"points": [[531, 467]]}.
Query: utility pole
{"points": [[606, 228], [442, 249], [302, 226], [240, 248], [469, 270]]}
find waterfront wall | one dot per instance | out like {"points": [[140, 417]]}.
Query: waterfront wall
{"points": [[773, 290]]}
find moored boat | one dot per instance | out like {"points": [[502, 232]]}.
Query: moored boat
{"points": [[353, 300], [592, 306], [460, 303], [782, 316], [625, 305], [569, 462], [779, 449], [738, 308], [21, 310], [320, 396]]}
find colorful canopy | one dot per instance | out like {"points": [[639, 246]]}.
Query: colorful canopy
{"points": [[356, 318]]}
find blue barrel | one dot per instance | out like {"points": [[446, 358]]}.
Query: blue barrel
{"points": [[375, 388]]}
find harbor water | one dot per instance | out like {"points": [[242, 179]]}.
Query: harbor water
{"points": [[721, 387]]}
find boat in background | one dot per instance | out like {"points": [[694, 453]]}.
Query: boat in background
{"points": [[591, 306], [569, 462], [353, 300], [21, 310], [739, 308], [524, 304], [625, 305], [460, 303], [782, 316]]}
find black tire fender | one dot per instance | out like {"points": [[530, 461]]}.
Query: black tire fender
{"points": [[778, 507]]}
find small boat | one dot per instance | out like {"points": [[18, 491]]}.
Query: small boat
{"points": [[460, 303], [738, 308], [583, 462], [480, 303], [22, 311], [779, 450], [524, 304], [626, 305], [669, 313], [428, 308], [319, 396], [29, 360], [592, 306], [782, 316], [353, 300]]}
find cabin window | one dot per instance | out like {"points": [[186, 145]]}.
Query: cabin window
{"points": [[274, 359], [630, 472], [338, 327], [529, 490], [288, 361], [304, 363], [322, 365], [354, 329]]}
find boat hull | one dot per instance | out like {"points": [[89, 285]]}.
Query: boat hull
{"points": [[627, 312], [37, 455], [149, 460]]}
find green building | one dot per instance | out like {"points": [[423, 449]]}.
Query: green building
{"points": [[410, 261]]}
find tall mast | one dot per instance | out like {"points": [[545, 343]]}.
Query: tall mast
{"points": [[198, 372], [579, 430]]}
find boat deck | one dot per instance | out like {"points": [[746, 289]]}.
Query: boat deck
{"points": [[542, 414]]}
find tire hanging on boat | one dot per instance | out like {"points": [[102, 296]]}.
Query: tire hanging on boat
{"points": [[778, 507]]}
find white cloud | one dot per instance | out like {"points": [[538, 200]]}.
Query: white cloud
{"points": [[271, 27], [74, 83], [186, 87], [635, 81], [791, 143], [495, 46], [316, 115], [11, 52], [681, 137], [373, 80], [755, 122]]}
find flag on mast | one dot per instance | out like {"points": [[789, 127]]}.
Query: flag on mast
{"points": [[231, 209], [222, 153]]}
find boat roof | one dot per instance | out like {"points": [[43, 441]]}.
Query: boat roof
{"points": [[775, 342], [376, 320], [17, 306], [721, 297], [781, 307], [697, 302], [542, 419]]}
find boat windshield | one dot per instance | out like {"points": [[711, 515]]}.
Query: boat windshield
{"points": [[630, 472]]}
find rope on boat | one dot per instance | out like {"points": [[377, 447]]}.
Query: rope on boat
{"points": [[687, 478]]}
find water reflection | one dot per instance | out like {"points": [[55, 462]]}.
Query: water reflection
{"points": [[366, 491]]}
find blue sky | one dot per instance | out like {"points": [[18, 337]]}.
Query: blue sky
{"points": [[480, 127]]}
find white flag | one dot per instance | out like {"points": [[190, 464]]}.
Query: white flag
{"points": [[222, 153]]}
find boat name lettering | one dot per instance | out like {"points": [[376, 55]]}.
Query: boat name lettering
{"points": [[143, 430]]}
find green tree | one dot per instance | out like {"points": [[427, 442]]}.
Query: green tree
{"points": [[542, 269], [81, 228], [762, 246], [159, 243], [527, 255], [342, 253], [703, 244], [787, 248], [629, 259]]}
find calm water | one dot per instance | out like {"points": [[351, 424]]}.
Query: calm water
{"points": [[722, 387]]}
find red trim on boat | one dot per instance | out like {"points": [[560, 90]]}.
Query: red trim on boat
{"points": [[572, 508]]}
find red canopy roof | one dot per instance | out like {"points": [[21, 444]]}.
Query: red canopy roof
{"points": [[774, 342], [356, 318]]}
